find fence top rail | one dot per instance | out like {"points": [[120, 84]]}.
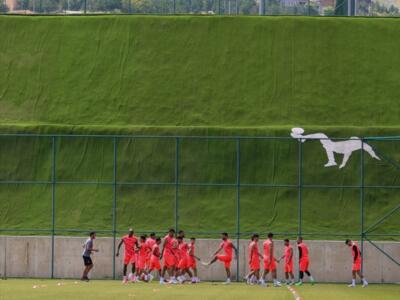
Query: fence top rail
{"points": [[203, 137]]}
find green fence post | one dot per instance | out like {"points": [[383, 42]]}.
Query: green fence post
{"points": [[85, 7], [300, 185], [362, 198], [174, 7], [114, 205], [238, 207], [219, 7], [53, 201], [177, 184]]}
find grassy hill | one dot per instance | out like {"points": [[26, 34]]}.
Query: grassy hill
{"points": [[196, 76]]}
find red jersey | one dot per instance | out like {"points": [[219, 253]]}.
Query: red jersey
{"points": [[192, 249], [267, 245], [288, 254], [303, 250], [129, 244], [155, 252], [150, 243], [143, 249], [355, 251], [169, 243], [253, 252], [183, 250], [228, 247]]}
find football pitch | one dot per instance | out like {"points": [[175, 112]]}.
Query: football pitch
{"points": [[13, 289]]}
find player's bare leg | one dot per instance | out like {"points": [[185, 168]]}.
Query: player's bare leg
{"points": [[291, 278], [264, 275], [275, 281], [249, 276], [228, 275]]}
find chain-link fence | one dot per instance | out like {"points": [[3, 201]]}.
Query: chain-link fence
{"points": [[205, 7], [72, 184]]}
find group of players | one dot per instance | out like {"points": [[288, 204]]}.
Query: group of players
{"points": [[145, 254]]}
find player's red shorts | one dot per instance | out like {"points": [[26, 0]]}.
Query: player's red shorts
{"points": [[169, 261], [155, 264], [148, 259], [356, 265], [271, 264], [183, 264], [289, 267], [141, 263], [254, 265], [225, 259], [304, 264], [129, 258], [191, 262]]}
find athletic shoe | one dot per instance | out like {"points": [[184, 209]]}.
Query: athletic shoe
{"points": [[150, 277], [85, 279], [298, 283], [277, 284], [351, 285], [312, 281], [365, 284], [228, 281]]}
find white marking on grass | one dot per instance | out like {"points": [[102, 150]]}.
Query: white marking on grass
{"points": [[295, 294]]}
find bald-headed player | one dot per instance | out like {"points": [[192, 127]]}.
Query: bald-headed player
{"points": [[304, 261], [357, 259], [131, 244]]}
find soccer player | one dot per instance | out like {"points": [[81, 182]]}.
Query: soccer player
{"points": [[168, 254], [288, 256], [130, 243], [141, 258], [304, 261], [226, 258], [182, 267], [150, 241], [192, 259], [254, 260], [155, 258], [356, 269], [88, 248], [269, 261]]}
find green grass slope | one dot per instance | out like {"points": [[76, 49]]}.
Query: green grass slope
{"points": [[196, 76], [199, 71]]}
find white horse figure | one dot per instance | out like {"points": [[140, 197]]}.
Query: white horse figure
{"points": [[342, 147]]}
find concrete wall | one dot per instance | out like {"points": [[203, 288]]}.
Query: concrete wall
{"points": [[330, 260]]}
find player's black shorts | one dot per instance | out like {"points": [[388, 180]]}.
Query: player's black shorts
{"points": [[87, 261]]}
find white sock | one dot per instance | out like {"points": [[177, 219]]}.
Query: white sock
{"points": [[311, 278], [353, 282], [364, 281]]}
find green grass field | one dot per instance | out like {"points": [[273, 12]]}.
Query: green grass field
{"points": [[107, 290], [203, 76]]}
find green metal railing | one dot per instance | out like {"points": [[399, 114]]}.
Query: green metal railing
{"points": [[365, 233]]}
